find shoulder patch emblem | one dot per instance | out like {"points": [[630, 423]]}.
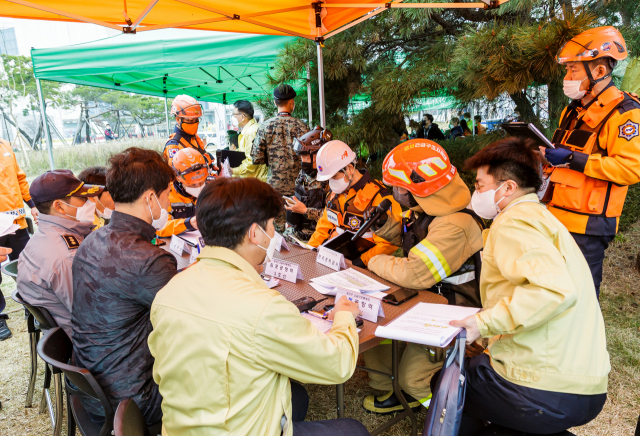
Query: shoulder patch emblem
{"points": [[172, 152], [629, 130], [71, 241]]}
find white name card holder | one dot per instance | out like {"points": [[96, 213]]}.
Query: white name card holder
{"points": [[330, 258], [371, 307]]}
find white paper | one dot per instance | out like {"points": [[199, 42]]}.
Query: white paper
{"points": [[194, 255], [300, 243], [371, 307], [7, 227], [226, 169], [350, 279], [426, 324], [323, 290], [330, 258], [281, 242], [323, 325], [194, 238], [178, 246]]}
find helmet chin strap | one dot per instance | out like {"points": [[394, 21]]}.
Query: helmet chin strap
{"points": [[592, 81]]}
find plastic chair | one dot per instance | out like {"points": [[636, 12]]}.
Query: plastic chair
{"points": [[128, 420], [11, 269], [56, 349], [45, 322]]}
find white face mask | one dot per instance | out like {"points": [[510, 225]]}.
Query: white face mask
{"points": [[271, 248], [338, 186], [107, 212], [194, 192], [484, 204], [84, 213], [234, 121], [164, 216]]}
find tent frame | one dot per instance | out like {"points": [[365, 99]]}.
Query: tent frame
{"points": [[134, 26]]}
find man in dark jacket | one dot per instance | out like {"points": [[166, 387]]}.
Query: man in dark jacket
{"points": [[429, 130], [117, 272]]}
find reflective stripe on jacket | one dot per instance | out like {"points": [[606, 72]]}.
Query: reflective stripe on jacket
{"points": [[14, 189]]}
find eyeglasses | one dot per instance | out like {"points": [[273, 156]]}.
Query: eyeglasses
{"points": [[488, 184]]}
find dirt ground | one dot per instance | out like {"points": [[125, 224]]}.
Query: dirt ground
{"points": [[620, 299]]}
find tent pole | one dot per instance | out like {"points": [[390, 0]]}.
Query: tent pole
{"points": [[309, 95], [321, 84], [45, 124], [166, 115]]}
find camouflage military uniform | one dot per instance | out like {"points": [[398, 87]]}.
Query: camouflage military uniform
{"points": [[273, 146], [313, 213]]}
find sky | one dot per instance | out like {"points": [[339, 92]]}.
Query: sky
{"points": [[45, 34]]}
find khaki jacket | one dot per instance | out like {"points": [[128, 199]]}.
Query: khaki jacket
{"points": [[14, 188], [245, 143], [541, 314], [225, 347], [453, 238]]}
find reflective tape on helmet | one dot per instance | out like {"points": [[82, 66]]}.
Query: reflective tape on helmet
{"points": [[433, 258], [400, 175]]}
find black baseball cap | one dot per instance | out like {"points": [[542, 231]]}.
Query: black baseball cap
{"points": [[56, 184]]}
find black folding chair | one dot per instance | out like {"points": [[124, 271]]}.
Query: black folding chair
{"points": [[56, 349], [129, 420], [41, 320]]}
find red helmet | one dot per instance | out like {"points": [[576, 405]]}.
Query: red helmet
{"points": [[186, 107], [420, 166], [190, 167]]}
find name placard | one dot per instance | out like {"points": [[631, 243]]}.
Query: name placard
{"points": [[371, 307], [284, 270], [330, 258]]}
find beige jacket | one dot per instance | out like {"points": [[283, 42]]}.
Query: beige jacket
{"points": [[245, 142], [540, 309], [225, 347], [453, 238]]}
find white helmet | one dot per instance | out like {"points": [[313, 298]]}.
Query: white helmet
{"points": [[333, 157]]}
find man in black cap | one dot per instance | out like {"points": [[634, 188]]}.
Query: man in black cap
{"points": [[44, 266], [273, 146]]}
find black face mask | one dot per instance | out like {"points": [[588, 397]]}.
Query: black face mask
{"points": [[405, 200], [308, 169]]}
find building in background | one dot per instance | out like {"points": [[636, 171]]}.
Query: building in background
{"points": [[8, 41]]}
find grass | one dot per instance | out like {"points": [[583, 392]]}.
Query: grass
{"points": [[83, 156], [619, 299]]}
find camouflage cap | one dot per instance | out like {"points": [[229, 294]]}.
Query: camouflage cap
{"points": [[56, 184]]}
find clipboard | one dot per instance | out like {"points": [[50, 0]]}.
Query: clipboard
{"points": [[527, 130], [351, 249], [235, 157]]}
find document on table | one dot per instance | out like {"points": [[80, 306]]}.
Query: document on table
{"points": [[350, 279], [7, 227], [426, 324], [193, 238]]}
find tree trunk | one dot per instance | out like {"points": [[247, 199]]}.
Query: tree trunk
{"points": [[525, 108], [35, 144], [22, 132], [557, 102]]}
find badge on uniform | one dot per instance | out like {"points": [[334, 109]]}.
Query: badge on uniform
{"points": [[172, 152], [629, 130], [71, 241]]}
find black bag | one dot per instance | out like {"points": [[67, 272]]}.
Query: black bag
{"points": [[445, 410]]}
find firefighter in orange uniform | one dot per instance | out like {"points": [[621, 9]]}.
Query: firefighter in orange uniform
{"points": [[191, 176], [352, 194], [597, 154], [188, 113]]}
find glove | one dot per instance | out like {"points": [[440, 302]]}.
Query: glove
{"points": [[558, 156], [379, 223]]}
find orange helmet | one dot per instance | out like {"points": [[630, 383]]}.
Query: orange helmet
{"points": [[186, 107], [190, 167], [595, 43], [420, 166]]}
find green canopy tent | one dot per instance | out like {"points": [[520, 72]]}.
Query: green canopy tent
{"points": [[214, 67]]}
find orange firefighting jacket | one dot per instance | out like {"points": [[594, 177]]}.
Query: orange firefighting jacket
{"points": [[14, 189], [588, 196], [183, 208], [350, 207], [179, 140]]}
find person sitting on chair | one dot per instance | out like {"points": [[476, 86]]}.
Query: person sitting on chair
{"points": [[66, 218], [546, 366]]}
